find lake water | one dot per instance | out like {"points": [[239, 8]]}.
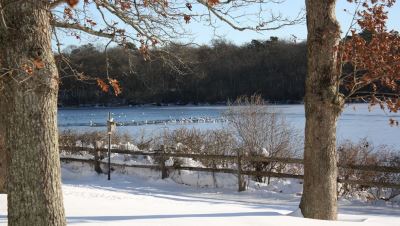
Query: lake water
{"points": [[356, 122]]}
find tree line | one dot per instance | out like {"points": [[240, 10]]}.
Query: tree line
{"points": [[274, 69]]}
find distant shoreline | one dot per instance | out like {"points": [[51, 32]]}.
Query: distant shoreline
{"points": [[219, 104], [166, 105]]}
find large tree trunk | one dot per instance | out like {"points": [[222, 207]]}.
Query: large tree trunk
{"points": [[323, 105], [3, 158], [29, 107]]}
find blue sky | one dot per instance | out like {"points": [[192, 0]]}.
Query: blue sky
{"points": [[292, 7], [202, 34]]}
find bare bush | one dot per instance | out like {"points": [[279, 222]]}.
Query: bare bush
{"points": [[121, 138], [146, 141], [184, 140], [68, 138], [194, 141], [94, 139], [365, 153], [218, 142], [262, 131], [181, 140]]}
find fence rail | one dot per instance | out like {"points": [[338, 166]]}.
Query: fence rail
{"points": [[163, 155]]}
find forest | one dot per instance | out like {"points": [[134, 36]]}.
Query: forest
{"points": [[183, 74]]}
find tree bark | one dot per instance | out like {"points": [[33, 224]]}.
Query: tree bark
{"points": [[29, 109], [323, 105], [3, 158]]}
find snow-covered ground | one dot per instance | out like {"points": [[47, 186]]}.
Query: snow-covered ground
{"points": [[139, 197]]}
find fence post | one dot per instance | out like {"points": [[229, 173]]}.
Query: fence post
{"points": [[164, 173], [241, 182], [109, 145]]}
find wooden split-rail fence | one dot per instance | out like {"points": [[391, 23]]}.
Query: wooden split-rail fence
{"points": [[163, 155]]}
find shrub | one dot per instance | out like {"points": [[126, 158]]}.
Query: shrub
{"points": [[365, 153], [94, 139], [194, 141], [262, 131]]}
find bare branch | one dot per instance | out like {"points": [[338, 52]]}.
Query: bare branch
{"points": [[56, 3], [279, 21], [82, 28]]}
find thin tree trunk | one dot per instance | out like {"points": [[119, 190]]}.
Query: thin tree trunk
{"points": [[323, 105], [30, 115]]}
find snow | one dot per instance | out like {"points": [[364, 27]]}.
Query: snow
{"points": [[396, 199], [129, 146], [139, 197]]}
